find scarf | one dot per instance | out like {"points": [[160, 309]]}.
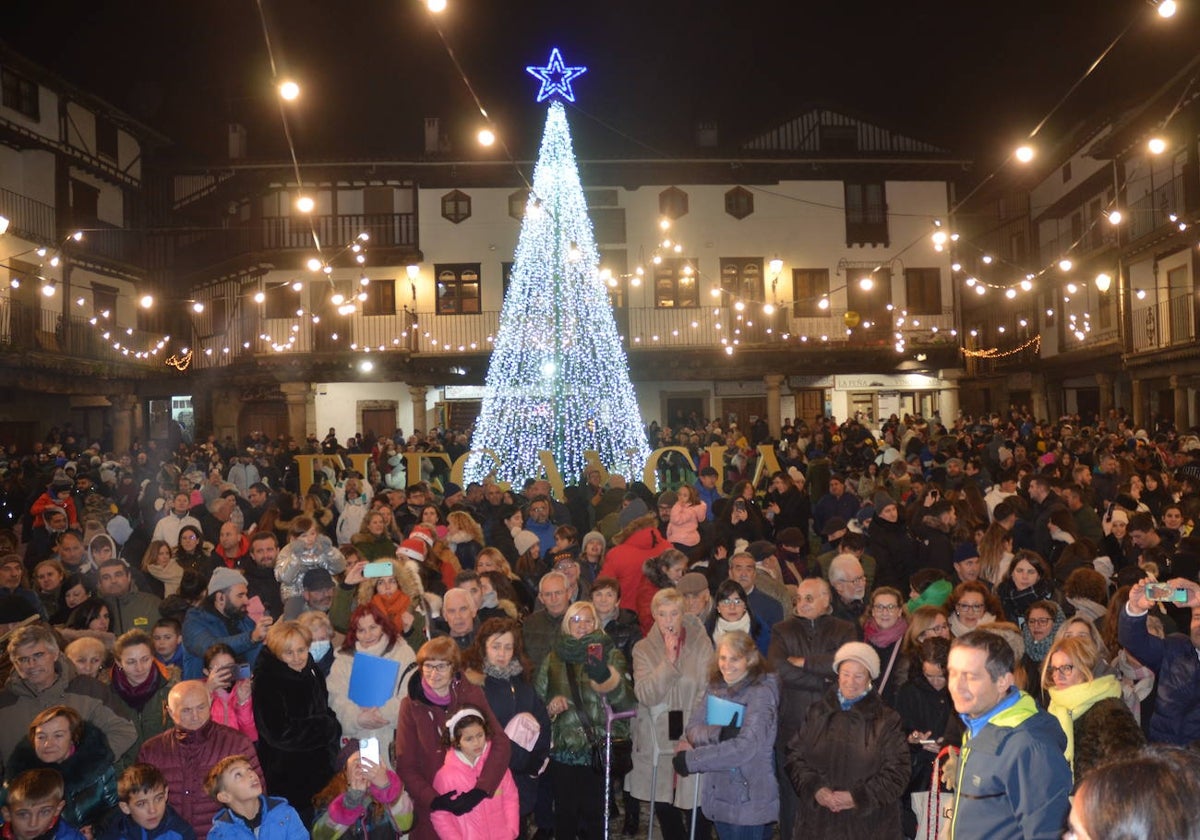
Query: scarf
{"points": [[957, 628], [169, 576], [724, 627], [394, 606], [883, 638], [512, 669], [573, 650], [137, 696], [1085, 608], [433, 697], [1037, 650], [1070, 704], [848, 704]]}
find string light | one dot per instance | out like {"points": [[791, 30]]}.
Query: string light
{"points": [[996, 353]]}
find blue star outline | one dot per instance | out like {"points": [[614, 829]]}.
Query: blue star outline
{"points": [[556, 77]]}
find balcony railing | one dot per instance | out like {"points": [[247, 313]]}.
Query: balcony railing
{"points": [[431, 334], [29, 328], [1154, 209], [1164, 323], [27, 218], [385, 230]]}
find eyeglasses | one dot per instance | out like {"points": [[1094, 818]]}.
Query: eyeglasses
{"points": [[731, 602], [887, 608], [931, 629], [436, 667], [183, 537], [856, 581], [1061, 670], [1039, 622], [971, 607], [582, 619]]}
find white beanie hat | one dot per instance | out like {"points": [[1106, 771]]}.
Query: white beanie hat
{"points": [[859, 652]]}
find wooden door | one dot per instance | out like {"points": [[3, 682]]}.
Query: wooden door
{"points": [[377, 423], [743, 411], [270, 418], [810, 404]]}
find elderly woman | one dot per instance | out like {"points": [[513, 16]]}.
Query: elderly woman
{"points": [[884, 627], [60, 739], [433, 697], [584, 672], [298, 734], [670, 669], [371, 632], [737, 758], [1090, 709], [498, 664], [141, 684], [849, 764], [320, 628]]}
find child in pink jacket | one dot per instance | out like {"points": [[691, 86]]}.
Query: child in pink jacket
{"points": [[498, 815]]}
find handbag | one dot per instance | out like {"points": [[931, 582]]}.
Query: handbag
{"points": [[934, 807], [622, 748]]}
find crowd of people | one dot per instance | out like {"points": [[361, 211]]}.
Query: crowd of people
{"points": [[900, 631]]}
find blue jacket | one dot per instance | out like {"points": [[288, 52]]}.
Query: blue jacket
{"points": [[739, 774], [544, 533], [203, 628], [1013, 778], [710, 498], [1176, 718], [171, 827], [279, 822]]}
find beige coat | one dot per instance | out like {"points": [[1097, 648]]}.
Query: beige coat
{"points": [[661, 687]]}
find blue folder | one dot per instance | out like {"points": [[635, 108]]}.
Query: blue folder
{"points": [[372, 680], [721, 712]]}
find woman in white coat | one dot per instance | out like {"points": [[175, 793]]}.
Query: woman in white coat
{"points": [[670, 670], [370, 632]]}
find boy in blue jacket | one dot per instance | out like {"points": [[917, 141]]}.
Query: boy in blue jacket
{"points": [[34, 808], [145, 814], [248, 814]]}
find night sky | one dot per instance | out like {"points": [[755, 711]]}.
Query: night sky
{"points": [[972, 76]]}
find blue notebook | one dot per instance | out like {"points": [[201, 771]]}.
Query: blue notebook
{"points": [[372, 680], [722, 712]]}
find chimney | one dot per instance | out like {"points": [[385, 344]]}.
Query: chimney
{"points": [[706, 135], [433, 138], [237, 141]]}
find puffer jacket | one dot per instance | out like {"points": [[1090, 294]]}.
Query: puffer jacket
{"points": [[571, 744], [739, 773], [817, 641], [894, 550], [89, 775], [860, 750], [624, 561], [495, 818], [661, 687], [420, 751], [380, 814], [295, 559], [1174, 661], [185, 757]]}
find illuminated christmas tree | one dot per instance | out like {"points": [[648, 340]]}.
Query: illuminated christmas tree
{"points": [[558, 379]]}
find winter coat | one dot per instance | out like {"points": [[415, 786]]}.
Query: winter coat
{"points": [[507, 697], [571, 742], [61, 830], [1012, 780], [279, 822], [795, 510], [185, 757], [374, 548], [19, 704], [828, 506], [167, 529], [298, 734], [152, 718], [663, 687], [739, 773], [133, 611], [922, 708], [1106, 730], [204, 627], [260, 581], [227, 709], [382, 814], [295, 559], [817, 641], [684, 527], [935, 549], [89, 775], [420, 751], [171, 827], [1176, 718], [624, 562], [894, 550], [347, 710], [1017, 602], [498, 816], [860, 750]]}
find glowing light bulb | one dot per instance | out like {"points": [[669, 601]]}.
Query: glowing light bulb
{"points": [[297, 286], [1024, 154], [486, 137], [1103, 282], [305, 204], [1010, 293], [259, 297], [1065, 264], [940, 237], [198, 307], [436, 6], [146, 301], [289, 91], [980, 290], [866, 284], [987, 259], [1115, 217], [313, 264], [1167, 8], [823, 304], [768, 309], [337, 299], [1141, 294], [1072, 288], [1026, 286], [1156, 145]]}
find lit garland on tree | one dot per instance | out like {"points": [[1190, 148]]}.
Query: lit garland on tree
{"points": [[558, 379]]}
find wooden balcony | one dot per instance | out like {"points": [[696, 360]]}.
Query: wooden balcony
{"points": [[46, 337], [31, 220], [1166, 323]]}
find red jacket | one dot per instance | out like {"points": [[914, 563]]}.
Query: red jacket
{"points": [[185, 757], [624, 562]]}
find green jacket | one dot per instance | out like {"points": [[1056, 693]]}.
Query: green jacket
{"points": [[571, 745]]}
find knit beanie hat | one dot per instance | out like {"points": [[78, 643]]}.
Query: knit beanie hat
{"points": [[861, 653]]}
